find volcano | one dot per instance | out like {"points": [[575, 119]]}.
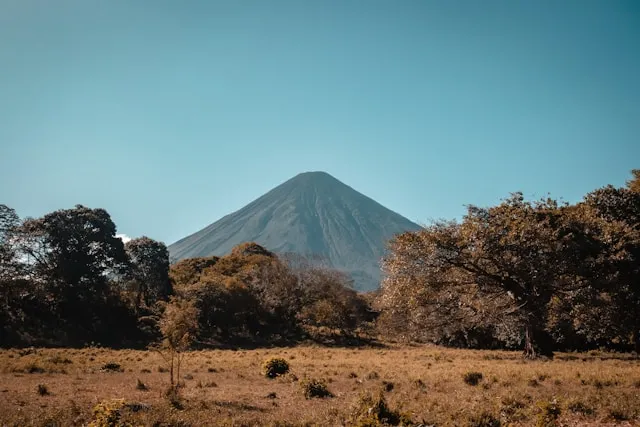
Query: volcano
{"points": [[311, 214]]}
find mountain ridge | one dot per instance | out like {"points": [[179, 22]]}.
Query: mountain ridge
{"points": [[312, 213]]}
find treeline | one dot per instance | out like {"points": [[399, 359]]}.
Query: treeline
{"points": [[67, 280], [537, 275]]}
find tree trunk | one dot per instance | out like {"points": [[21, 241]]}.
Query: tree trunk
{"points": [[529, 348], [171, 369], [636, 341]]}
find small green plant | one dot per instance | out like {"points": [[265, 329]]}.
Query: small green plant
{"points": [[372, 411], [43, 390], [275, 367], [315, 388], [549, 414], [473, 378], [485, 419]]}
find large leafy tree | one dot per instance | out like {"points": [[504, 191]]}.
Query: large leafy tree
{"points": [[614, 214], [507, 260], [149, 270], [72, 254]]}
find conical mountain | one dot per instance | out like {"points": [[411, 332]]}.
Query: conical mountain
{"points": [[311, 214]]}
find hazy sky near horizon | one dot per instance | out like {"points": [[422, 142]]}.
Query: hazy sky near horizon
{"points": [[171, 114]]}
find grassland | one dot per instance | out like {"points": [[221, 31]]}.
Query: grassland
{"points": [[225, 387]]}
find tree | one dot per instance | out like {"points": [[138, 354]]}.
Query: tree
{"points": [[614, 215], [178, 325], [149, 270], [72, 254], [510, 259], [634, 183], [10, 267]]}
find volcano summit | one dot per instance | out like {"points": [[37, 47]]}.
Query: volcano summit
{"points": [[312, 213]]}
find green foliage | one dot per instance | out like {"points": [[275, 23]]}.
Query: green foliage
{"points": [[275, 367], [372, 411], [315, 388], [148, 270], [472, 378]]}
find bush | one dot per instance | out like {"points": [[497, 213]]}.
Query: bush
{"points": [[485, 419], [112, 367], [549, 414], [108, 414], [579, 407], [473, 378], [373, 412], [43, 390], [315, 388], [275, 367], [173, 396]]}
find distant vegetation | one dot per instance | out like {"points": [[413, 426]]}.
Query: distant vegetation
{"points": [[541, 276]]}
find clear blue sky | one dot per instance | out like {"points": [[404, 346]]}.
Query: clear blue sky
{"points": [[171, 114]]}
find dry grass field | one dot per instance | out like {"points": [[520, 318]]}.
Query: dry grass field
{"points": [[60, 387]]}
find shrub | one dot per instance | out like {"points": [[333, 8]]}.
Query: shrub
{"points": [[43, 390], [372, 412], [275, 367], [549, 413], [112, 367], [60, 360], [108, 414], [579, 407], [315, 388], [473, 378], [513, 409], [485, 419], [35, 369], [173, 396], [373, 375]]}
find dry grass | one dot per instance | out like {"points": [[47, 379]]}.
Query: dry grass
{"points": [[225, 387]]}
